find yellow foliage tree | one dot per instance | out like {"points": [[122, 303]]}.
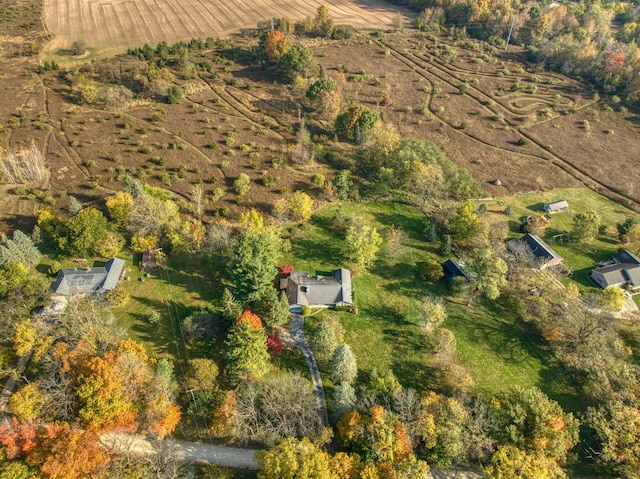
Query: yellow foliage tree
{"points": [[119, 207], [252, 221], [301, 205], [26, 403], [140, 244], [25, 337]]}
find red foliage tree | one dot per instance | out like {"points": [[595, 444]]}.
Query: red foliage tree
{"points": [[252, 319], [286, 270], [18, 438], [274, 344], [386, 100]]}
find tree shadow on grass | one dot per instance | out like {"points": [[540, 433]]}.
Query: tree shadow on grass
{"points": [[515, 346], [400, 277], [413, 226], [328, 253], [383, 313]]}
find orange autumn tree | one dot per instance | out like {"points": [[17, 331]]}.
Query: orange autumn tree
{"points": [[275, 45], [121, 391], [377, 436], [64, 453], [251, 319]]}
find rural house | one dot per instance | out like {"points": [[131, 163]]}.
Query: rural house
{"points": [[540, 252], [318, 291], [103, 279], [453, 269], [623, 270], [556, 207]]}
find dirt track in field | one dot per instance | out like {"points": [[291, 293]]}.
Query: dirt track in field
{"points": [[110, 26]]}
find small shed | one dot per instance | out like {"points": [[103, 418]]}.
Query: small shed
{"points": [[556, 207], [149, 260], [453, 269]]}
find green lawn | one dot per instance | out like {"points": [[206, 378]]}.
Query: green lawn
{"points": [[497, 352], [579, 257]]}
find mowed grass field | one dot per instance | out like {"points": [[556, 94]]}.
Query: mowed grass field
{"points": [[496, 351], [111, 26]]}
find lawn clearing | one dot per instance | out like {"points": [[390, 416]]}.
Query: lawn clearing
{"points": [[186, 285], [384, 335]]}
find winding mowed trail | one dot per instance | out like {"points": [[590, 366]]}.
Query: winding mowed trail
{"points": [[111, 26]]}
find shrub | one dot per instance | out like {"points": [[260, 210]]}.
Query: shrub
{"points": [[54, 268], [431, 271], [118, 297], [274, 345], [154, 317], [174, 95]]}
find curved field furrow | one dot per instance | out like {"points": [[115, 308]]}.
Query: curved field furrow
{"points": [[567, 166]]}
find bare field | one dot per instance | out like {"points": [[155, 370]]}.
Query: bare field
{"points": [[110, 26]]}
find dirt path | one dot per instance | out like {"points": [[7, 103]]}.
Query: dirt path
{"points": [[185, 451], [297, 334]]}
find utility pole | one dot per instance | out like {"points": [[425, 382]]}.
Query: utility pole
{"points": [[513, 21]]}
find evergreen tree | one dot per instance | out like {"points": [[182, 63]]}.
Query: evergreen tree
{"points": [[230, 308], [342, 365], [253, 265], [74, 206], [5, 256], [30, 253], [445, 246], [344, 399], [14, 251], [323, 339], [133, 187], [278, 312], [246, 352]]}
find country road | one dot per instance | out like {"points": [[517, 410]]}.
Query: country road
{"points": [[186, 451], [224, 456]]}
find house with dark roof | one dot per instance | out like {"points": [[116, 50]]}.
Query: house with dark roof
{"points": [[556, 207], [622, 271], [541, 254], [318, 291], [102, 279], [454, 269]]}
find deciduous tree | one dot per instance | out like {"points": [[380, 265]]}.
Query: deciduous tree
{"points": [[431, 313], [363, 244], [466, 224], [301, 206], [532, 422], [586, 226], [277, 407], [295, 459], [509, 462], [119, 207]]}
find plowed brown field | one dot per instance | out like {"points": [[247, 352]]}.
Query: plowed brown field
{"points": [[110, 26]]}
